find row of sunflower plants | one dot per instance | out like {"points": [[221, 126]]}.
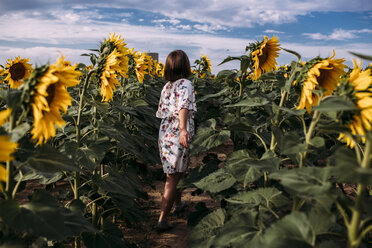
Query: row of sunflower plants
{"points": [[300, 173], [72, 184]]}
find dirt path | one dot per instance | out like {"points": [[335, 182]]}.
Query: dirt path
{"points": [[146, 235]]}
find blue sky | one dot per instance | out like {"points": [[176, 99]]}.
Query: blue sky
{"points": [[43, 29]]}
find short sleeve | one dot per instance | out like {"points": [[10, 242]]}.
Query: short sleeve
{"points": [[185, 96]]}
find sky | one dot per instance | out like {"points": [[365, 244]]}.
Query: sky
{"points": [[42, 30]]}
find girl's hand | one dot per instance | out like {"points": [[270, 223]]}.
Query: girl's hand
{"points": [[184, 137]]}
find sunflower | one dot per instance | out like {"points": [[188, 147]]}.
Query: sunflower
{"points": [[360, 82], [114, 62], [141, 66], [264, 56], [17, 71], [159, 69], [7, 147], [50, 97], [205, 63], [319, 74]]}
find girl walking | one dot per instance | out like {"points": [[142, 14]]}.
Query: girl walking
{"points": [[176, 109]]}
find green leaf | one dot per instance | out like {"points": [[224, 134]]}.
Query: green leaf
{"points": [[220, 93], [43, 217], [203, 234], [48, 159], [321, 219], [307, 182], [294, 230], [19, 132], [207, 137], [238, 230], [334, 104], [317, 142], [216, 181], [362, 56], [250, 102], [290, 143], [266, 197], [292, 52], [346, 168]]}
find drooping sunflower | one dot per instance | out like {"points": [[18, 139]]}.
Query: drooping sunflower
{"points": [[319, 74], [361, 94], [264, 56], [159, 71], [114, 62], [17, 71], [51, 97], [205, 63], [141, 66]]}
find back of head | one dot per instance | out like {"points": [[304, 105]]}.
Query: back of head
{"points": [[177, 66]]}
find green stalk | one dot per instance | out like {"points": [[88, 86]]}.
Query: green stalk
{"points": [[276, 119], [78, 136], [309, 135], [354, 229]]}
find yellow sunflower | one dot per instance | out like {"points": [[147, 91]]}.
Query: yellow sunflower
{"points": [[159, 69], [361, 82], [141, 66], [205, 63], [322, 75], [121, 55], [4, 115], [51, 97], [7, 147], [17, 71], [109, 76], [264, 57]]}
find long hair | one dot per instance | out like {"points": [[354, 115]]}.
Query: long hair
{"points": [[177, 66]]}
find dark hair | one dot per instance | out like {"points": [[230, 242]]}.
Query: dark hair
{"points": [[177, 66]]}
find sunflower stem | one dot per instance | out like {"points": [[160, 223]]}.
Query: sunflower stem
{"points": [[309, 135], [354, 229], [276, 120]]}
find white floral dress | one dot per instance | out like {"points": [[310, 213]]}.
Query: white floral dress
{"points": [[174, 97]]}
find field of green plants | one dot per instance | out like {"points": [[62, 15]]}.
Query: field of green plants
{"points": [[299, 174]]}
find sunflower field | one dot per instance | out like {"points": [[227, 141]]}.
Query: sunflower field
{"points": [[299, 175]]}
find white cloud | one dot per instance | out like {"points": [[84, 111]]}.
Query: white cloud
{"points": [[184, 27], [272, 31], [337, 34]]}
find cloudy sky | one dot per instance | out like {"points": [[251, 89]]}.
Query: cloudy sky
{"points": [[43, 29]]}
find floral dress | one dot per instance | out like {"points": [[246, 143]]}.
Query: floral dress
{"points": [[174, 97]]}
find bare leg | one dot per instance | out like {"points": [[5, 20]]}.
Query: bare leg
{"points": [[169, 196]]}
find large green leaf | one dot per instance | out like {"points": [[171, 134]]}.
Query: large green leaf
{"points": [[208, 137], [335, 103], [265, 197], [238, 231], [217, 181], [48, 159], [203, 234], [247, 169], [294, 230], [307, 182], [346, 167], [43, 217]]}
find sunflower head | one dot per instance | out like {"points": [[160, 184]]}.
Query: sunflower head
{"points": [[205, 63], [17, 71], [159, 69], [48, 97], [141, 66], [318, 78], [358, 88], [263, 55]]}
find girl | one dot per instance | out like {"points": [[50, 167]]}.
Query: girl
{"points": [[176, 108]]}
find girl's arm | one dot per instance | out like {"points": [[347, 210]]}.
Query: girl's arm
{"points": [[184, 135]]}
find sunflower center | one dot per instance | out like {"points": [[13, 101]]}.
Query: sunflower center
{"points": [[51, 93], [17, 71]]}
